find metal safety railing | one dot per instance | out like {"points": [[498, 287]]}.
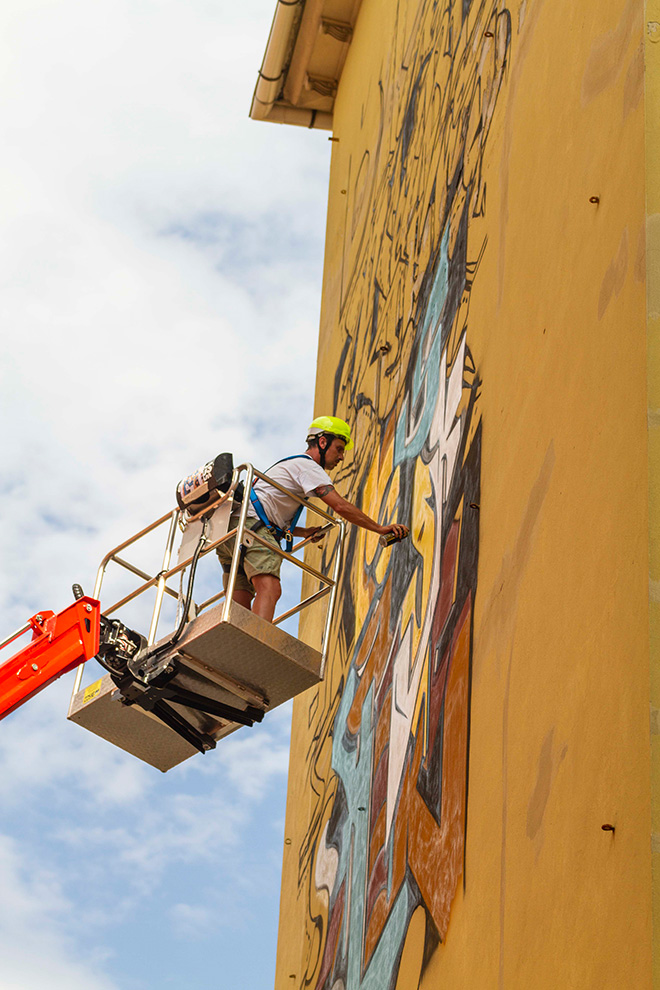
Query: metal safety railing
{"points": [[12, 636], [179, 518]]}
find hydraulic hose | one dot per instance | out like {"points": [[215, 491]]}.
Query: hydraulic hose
{"points": [[176, 636], [191, 580]]}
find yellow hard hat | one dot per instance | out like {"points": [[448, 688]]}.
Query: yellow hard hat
{"points": [[331, 424]]}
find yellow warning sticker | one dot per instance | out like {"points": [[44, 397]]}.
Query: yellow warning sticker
{"points": [[92, 691]]}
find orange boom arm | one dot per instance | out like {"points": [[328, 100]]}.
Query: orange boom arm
{"points": [[59, 643]]}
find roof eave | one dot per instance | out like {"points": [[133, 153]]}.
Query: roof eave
{"points": [[302, 64]]}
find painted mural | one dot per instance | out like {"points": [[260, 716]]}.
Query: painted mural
{"points": [[388, 762]]}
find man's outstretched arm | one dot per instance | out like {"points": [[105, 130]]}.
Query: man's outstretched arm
{"points": [[352, 514]]}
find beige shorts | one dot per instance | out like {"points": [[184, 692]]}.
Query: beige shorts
{"points": [[256, 559]]}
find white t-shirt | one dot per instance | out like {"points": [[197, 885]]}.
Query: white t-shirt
{"points": [[300, 475]]}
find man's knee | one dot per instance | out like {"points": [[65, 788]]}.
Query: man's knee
{"points": [[267, 584]]}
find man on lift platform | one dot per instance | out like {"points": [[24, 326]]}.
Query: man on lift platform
{"points": [[305, 475]]}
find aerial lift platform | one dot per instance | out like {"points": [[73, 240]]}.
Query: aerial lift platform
{"points": [[165, 699]]}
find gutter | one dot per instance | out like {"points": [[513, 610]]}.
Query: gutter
{"points": [[272, 75]]}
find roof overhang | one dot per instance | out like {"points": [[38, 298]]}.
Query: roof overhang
{"points": [[304, 58]]}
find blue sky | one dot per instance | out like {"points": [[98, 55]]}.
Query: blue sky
{"points": [[161, 267]]}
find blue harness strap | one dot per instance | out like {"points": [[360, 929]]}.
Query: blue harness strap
{"points": [[276, 531]]}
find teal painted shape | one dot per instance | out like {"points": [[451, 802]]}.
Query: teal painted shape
{"points": [[355, 769], [426, 373], [381, 967]]}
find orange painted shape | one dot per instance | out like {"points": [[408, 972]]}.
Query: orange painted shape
{"points": [[375, 925], [435, 854]]}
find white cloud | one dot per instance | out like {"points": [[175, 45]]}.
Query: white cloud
{"points": [[40, 751], [156, 279], [37, 922], [255, 760]]}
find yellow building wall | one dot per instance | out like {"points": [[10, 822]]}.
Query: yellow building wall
{"points": [[485, 710], [652, 106]]}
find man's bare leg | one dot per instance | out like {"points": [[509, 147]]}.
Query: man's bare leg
{"points": [[240, 596], [268, 589], [243, 598]]}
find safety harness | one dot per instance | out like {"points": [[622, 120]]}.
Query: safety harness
{"points": [[276, 531]]}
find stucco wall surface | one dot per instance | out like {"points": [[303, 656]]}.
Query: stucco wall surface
{"points": [[485, 709], [652, 112]]}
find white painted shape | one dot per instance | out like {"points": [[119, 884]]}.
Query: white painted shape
{"points": [[444, 435], [404, 695], [327, 862]]}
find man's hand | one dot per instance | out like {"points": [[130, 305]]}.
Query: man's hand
{"points": [[315, 532], [398, 529]]}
